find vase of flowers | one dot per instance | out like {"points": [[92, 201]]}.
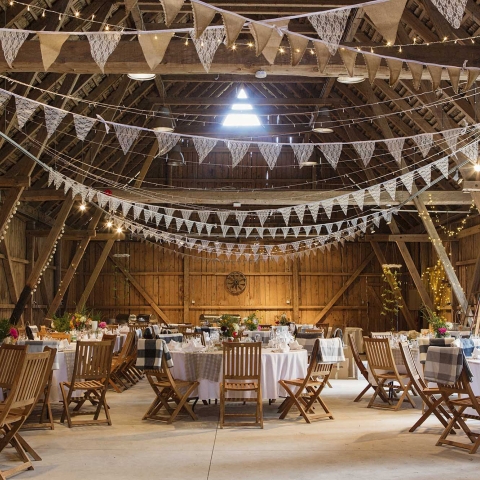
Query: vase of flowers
{"points": [[229, 326], [437, 323], [251, 322], [8, 333], [282, 319]]}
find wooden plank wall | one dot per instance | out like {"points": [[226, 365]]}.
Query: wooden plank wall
{"points": [[269, 285]]}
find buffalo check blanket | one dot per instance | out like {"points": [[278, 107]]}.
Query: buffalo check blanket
{"points": [[199, 366], [150, 354], [445, 364], [425, 343], [331, 350]]}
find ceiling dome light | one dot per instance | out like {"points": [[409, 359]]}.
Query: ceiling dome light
{"points": [[141, 77], [322, 122], [175, 157], [349, 80], [164, 121], [260, 74]]}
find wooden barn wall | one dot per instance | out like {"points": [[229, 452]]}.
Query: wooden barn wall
{"points": [[186, 287]]}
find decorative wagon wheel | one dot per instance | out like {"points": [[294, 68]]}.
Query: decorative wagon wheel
{"points": [[236, 283]]}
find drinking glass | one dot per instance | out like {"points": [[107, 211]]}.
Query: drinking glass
{"points": [[258, 337]]}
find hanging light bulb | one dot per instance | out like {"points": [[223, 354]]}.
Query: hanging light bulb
{"points": [[109, 224], [82, 207], [476, 167], [119, 230]]}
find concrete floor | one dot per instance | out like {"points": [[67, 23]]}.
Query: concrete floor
{"points": [[364, 443]]}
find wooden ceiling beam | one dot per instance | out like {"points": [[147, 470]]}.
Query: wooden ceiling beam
{"points": [[277, 198]]}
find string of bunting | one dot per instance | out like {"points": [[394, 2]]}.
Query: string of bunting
{"points": [[156, 214], [127, 135], [267, 36]]}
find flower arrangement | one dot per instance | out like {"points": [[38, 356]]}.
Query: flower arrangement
{"points": [[229, 326], [62, 323], [78, 321], [74, 321], [251, 322], [282, 319], [102, 325], [437, 323], [7, 330]]}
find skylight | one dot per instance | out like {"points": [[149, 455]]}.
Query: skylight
{"points": [[240, 119]]}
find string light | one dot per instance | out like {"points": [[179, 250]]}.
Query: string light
{"points": [[82, 207], [119, 230], [77, 13], [109, 224], [452, 232]]}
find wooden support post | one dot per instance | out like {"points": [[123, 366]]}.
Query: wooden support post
{"points": [[146, 164], [41, 260], [8, 269], [405, 311], [73, 265], [442, 255], [186, 289], [96, 272], [141, 291], [28, 317], [344, 288], [295, 291]]}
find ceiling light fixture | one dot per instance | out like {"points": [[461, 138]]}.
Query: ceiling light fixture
{"points": [[321, 124], [164, 122], [141, 77], [260, 74], [476, 167], [350, 80], [175, 157]]}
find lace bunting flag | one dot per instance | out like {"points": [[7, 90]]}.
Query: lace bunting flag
{"points": [[332, 152], [25, 109], [207, 44], [300, 211], [166, 141], [330, 27], [11, 41], [222, 216], [270, 152], [53, 117], [203, 146], [452, 10], [203, 215], [286, 211], [424, 142], [240, 217], [4, 97], [374, 191], [314, 207], [302, 151], [442, 165], [407, 180], [343, 202], [471, 151], [328, 206], [451, 137], [426, 173], [395, 147], [262, 216], [365, 150], [83, 125], [102, 46], [391, 187], [237, 150], [126, 136]]}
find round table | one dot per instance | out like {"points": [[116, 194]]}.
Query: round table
{"points": [[275, 367]]}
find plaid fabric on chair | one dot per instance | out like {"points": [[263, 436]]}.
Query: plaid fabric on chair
{"points": [[330, 351], [425, 343], [150, 354], [445, 364]]}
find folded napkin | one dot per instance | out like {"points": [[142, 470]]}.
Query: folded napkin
{"points": [[174, 346], [64, 344], [295, 345], [330, 351]]}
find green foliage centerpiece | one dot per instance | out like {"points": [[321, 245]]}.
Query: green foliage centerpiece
{"points": [[251, 322], [391, 292], [437, 323], [229, 326]]}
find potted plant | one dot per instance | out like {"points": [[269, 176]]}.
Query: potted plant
{"points": [[437, 323]]}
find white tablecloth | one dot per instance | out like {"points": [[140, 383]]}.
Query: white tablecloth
{"points": [[275, 367]]}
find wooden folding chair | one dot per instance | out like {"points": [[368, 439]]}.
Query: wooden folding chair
{"points": [[304, 393], [56, 335], [381, 334], [168, 390], [384, 370], [457, 407], [29, 377], [242, 371], [10, 357], [45, 415], [426, 393], [362, 368], [91, 374], [117, 374]]}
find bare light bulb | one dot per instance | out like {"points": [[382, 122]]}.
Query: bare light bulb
{"points": [[83, 207], [476, 167], [109, 224], [119, 230]]}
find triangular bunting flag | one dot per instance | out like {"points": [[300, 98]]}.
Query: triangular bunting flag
{"points": [[426, 173], [348, 56], [330, 27], [237, 150], [203, 146], [203, 215], [286, 211], [332, 152], [373, 64], [154, 46], [285, 231], [271, 49], [365, 150], [126, 136], [262, 216], [386, 17], [395, 147], [328, 206], [343, 202], [261, 34], [83, 125], [233, 26], [436, 75], [166, 141], [272, 232], [417, 70], [102, 45], [171, 8], [25, 109], [207, 44], [202, 17], [314, 207], [323, 55], [454, 74], [424, 142], [407, 180], [451, 137], [298, 45], [11, 41], [270, 152], [374, 191], [452, 10], [395, 67], [302, 151], [50, 46], [222, 216], [240, 217], [442, 165], [390, 187], [53, 117]]}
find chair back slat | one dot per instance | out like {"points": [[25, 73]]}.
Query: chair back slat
{"points": [[355, 354], [242, 361], [381, 334], [30, 380], [11, 356], [379, 354], [93, 360]]}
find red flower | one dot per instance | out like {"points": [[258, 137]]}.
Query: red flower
{"points": [[278, 322], [14, 333], [107, 192], [234, 334]]}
